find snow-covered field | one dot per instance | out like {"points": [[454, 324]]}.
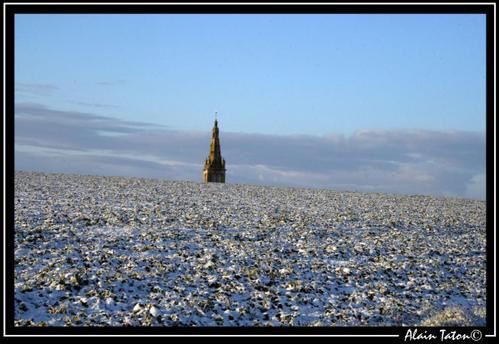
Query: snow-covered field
{"points": [[99, 251]]}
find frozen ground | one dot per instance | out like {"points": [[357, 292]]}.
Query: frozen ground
{"points": [[101, 251]]}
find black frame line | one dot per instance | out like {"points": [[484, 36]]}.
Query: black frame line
{"points": [[11, 9]]}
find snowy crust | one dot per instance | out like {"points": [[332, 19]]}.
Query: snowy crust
{"points": [[112, 251]]}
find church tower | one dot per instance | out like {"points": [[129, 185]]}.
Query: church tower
{"points": [[214, 166]]}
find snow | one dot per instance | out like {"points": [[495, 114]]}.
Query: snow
{"points": [[98, 251]]}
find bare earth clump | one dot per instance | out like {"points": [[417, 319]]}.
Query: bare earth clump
{"points": [[112, 251]]}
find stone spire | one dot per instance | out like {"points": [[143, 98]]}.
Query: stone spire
{"points": [[214, 166]]}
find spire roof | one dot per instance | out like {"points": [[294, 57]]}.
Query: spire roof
{"points": [[215, 160], [214, 166]]}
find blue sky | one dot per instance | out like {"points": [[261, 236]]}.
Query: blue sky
{"points": [[276, 74], [329, 79]]}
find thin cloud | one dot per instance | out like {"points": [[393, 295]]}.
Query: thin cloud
{"points": [[408, 161], [36, 89], [110, 82], [95, 105]]}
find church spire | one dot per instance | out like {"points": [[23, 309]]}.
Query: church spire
{"points": [[214, 166]]}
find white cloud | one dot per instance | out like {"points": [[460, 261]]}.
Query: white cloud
{"points": [[401, 161], [476, 187]]}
